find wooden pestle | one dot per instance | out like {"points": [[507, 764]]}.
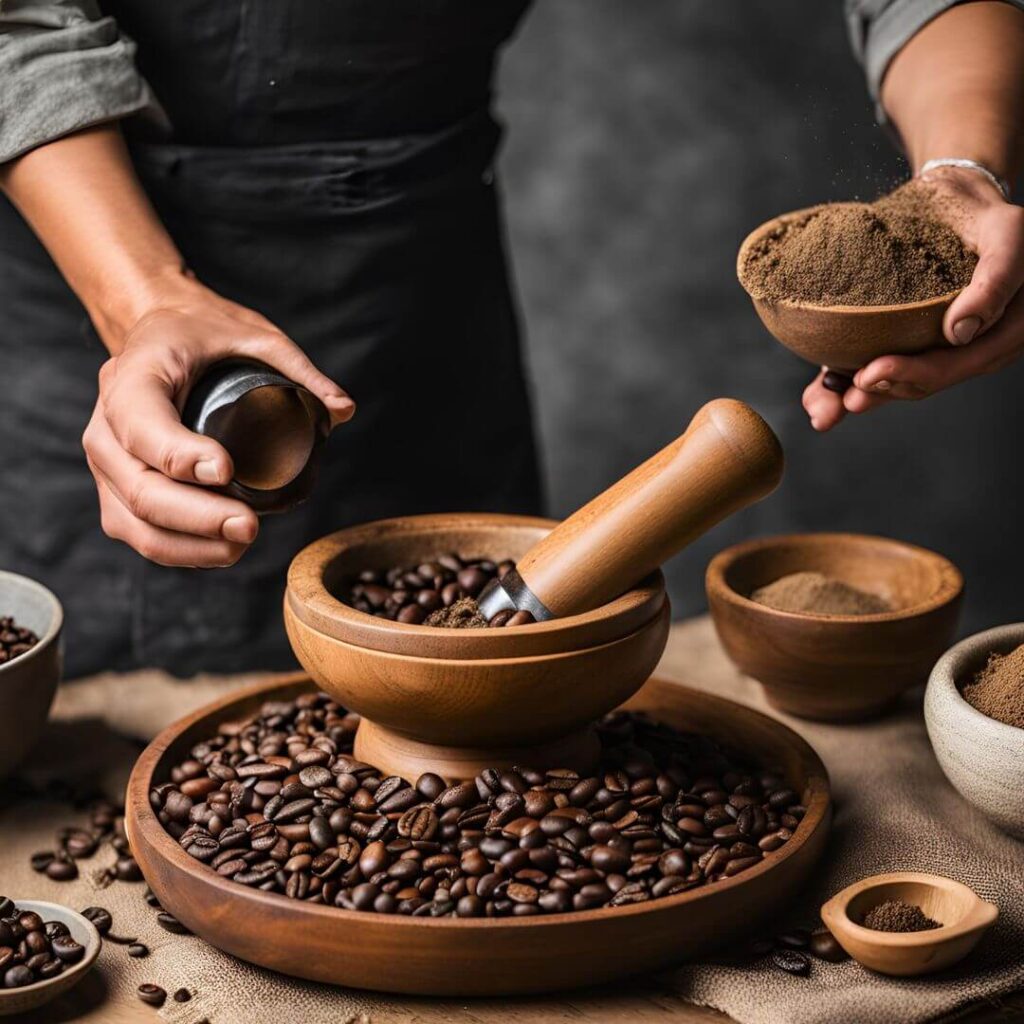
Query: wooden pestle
{"points": [[727, 459]]}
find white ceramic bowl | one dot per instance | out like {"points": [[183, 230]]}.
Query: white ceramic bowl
{"points": [[983, 758], [28, 683], [22, 1000]]}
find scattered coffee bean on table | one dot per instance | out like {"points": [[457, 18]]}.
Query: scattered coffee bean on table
{"points": [[825, 946], [32, 949], [816, 594], [154, 995], [100, 917], [182, 995], [897, 916], [792, 962], [666, 812], [441, 592], [14, 639], [138, 950]]}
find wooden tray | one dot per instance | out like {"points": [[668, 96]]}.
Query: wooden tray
{"points": [[454, 957]]}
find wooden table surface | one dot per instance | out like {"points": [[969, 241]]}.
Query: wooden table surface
{"points": [[92, 1003]]}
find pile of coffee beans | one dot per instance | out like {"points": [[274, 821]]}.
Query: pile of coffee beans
{"points": [[32, 949], [279, 803], [14, 639], [74, 843], [413, 593]]}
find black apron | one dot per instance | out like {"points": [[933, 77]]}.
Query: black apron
{"points": [[331, 167]]}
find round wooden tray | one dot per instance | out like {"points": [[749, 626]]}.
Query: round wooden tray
{"points": [[454, 957]]}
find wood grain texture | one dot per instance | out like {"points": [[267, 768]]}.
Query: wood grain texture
{"points": [[493, 957], [964, 917], [845, 338], [727, 459], [835, 667]]}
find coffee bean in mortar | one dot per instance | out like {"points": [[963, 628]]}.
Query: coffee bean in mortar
{"points": [[14, 639], [507, 843], [151, 994], [441, 592]]}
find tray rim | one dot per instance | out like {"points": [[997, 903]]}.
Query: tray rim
{"points": [[139, 815]]}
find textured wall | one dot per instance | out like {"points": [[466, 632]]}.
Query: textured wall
{"points": [[645, 141]]}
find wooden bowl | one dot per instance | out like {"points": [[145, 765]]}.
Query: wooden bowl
{"points": [[835, 668], [485, 957], [964, 917], [982, 757], [28, 683], [844, 338], [462, 699], [22, 1000]]}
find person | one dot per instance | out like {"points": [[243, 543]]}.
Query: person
{"points": [[312, 184]]}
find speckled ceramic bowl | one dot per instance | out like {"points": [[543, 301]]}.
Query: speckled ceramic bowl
{"points": [[983, 758]]}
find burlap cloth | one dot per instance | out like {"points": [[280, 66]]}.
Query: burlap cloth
{"points": [[894, 811]]}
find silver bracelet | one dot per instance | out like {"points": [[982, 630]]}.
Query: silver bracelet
{"points": [[968, 165]]}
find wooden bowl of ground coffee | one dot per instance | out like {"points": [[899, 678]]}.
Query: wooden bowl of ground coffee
{"points": [[842, 283], [835, 626], [974, 711]]}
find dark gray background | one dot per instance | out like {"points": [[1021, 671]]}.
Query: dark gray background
{"points": [[645, 141]]}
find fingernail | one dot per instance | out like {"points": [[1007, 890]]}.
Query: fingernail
{"points": [[239, 529], [882, 385], [207, 471], [965, 330]]}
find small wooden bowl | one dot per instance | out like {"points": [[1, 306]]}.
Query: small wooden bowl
{"points": [[982, 757], [835, 668], [481, 957], [844, 338], [461, 699], [964, 917], [22, 1000]]}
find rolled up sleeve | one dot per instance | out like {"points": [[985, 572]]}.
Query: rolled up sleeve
{"points": [[879, 29], [63, 67]]}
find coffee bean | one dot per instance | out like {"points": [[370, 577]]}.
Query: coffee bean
{"points": [[152, 995], [824, 946], [792, 962], [65, 947], [100, 918], [127, 870], [315, 776], [170, 923], [18, 976], [61, 870], [138, 950], [798, 938], [53, 929], [182, 995]]}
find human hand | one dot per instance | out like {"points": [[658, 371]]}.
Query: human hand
{"points": [[146, 463], [984, 325]]}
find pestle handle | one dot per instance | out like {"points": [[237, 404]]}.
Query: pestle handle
{"points": [[727, 459]]}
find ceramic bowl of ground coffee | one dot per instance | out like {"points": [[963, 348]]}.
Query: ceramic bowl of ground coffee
{"points": [[974, 711], [842, 283], [31, 619], [835, 626], [464, 698]]}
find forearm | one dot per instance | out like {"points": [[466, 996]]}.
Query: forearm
{"points": [[957, 88], [81, 197]]}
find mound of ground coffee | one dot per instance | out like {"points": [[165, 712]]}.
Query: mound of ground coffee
{"points": [[897, 916], [998, 689], [817, 594], [463, 614], [14, 639], [894, 250]]}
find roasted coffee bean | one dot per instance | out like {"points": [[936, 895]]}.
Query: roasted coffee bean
{"points": [[430, 786], [182, 995], [100, 917], [138, 950], [127, 870], [62, 870], [798, 938], [152, 995], [170, 923], [80, 844], [65, 947], [824, 946], [18, 976], [792, 962], [315, 776], [55, 928]]}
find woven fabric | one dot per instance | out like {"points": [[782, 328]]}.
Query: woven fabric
{"points": [[894, 811]]}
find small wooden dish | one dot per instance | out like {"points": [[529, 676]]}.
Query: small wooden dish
{"points": [[22, 1000], [481, 957], [845, 338], [836, 668], [964, 917], [463, 699]]}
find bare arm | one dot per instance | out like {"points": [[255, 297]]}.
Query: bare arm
{"points": [[957, 90], [162, 329]]}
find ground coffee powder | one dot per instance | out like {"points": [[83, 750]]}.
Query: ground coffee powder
{"points": [[817, 594], [897, 916], [463, 614], [894, 250], [998, 689]]}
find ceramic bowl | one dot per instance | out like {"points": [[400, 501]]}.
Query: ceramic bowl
{"points": [[835, 668], [845, 338], [963, 915], [982, 757], [28, 683], [22, 1000], [473, 692]]}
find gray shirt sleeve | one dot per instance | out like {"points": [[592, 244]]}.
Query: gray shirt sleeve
{"points": [[63, 67], [880, 28]]}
